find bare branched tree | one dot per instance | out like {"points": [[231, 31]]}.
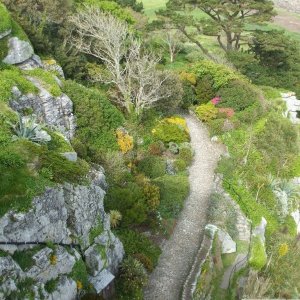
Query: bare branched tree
{"points": [[172, 40], [131, 69]]}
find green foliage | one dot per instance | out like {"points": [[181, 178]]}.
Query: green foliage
{"points": [[258, 256], [96, 231], [152, 166], [278, 141], [58, 143], [291, 226], [238, 95], [80, 273], [50, 285], [97, 118], [24, 258], [189, 96], [173, 192], [186, 154], [129, 201], [133, 278], [47, 79], [180, 165], [170, 132], [13, 77], [137, 243], [206, 112], [134, 4], [113, 8], [17, 30], [220, 74], [24, 289], [5, 20], [204, 89]]}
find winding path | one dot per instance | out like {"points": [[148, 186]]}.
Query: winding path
{"points": [[166, 281]]}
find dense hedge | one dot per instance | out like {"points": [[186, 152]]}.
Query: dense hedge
{"points": [[97, 118]]}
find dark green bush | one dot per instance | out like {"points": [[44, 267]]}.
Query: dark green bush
{"points": [[204, 89], [186, 154], [238, 95], [152, 166], [173, 192], [180, 165], [189, 96], [137, 243], [129, 201], [97, 118]]}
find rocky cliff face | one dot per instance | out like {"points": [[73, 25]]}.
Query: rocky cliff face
{"points": [[63, 245]]}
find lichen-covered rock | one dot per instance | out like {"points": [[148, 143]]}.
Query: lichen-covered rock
{"points": [[53, 111], [228, 245], [49, 264], [9, 272], [32, 63], [65, 289], [64, 214], [71, 156], [18, 52]]}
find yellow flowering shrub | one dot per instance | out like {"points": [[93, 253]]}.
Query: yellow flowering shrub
{"points": [[283, 249], [125, 141]]}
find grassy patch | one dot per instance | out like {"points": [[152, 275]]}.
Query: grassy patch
{"points": [[24, 258], [14, 77], [47, 79], [5, 20], [50, 285]]}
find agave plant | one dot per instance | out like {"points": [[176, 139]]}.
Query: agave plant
{"points": [[27, 128], [287, 193]]}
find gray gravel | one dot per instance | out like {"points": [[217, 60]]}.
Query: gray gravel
{"points": [[179, 251]]}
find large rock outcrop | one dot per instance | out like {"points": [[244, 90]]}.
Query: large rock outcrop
{"points": [[64, 215]]}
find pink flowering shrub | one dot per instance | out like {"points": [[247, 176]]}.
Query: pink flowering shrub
{"points": [[216, 100], [226, 111]]}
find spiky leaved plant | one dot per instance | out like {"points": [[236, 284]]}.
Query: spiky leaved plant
{"points": [[27, 128]]}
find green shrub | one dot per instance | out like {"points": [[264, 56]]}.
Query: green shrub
{"points": [[180, 165], [24, 258], [58, 143], [186, 154], [152, 166], [137, 243], [204, 89], [277, 142], [291, 226], [220, 74], [206, 112], [13, 77], [168, 131], [17, 30], [173, 192], [258, 256], [80, 274], [238, 95], [133, 278], [270, 93], [129, 201], [47, 79], [79, 147], [189, 96], [5, 20], [97, 118], [51, 285]]}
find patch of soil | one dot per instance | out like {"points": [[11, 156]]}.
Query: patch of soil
{"points": [[288, 21]]}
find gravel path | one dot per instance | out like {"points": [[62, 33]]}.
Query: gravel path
{"points": [[166, 281]]}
